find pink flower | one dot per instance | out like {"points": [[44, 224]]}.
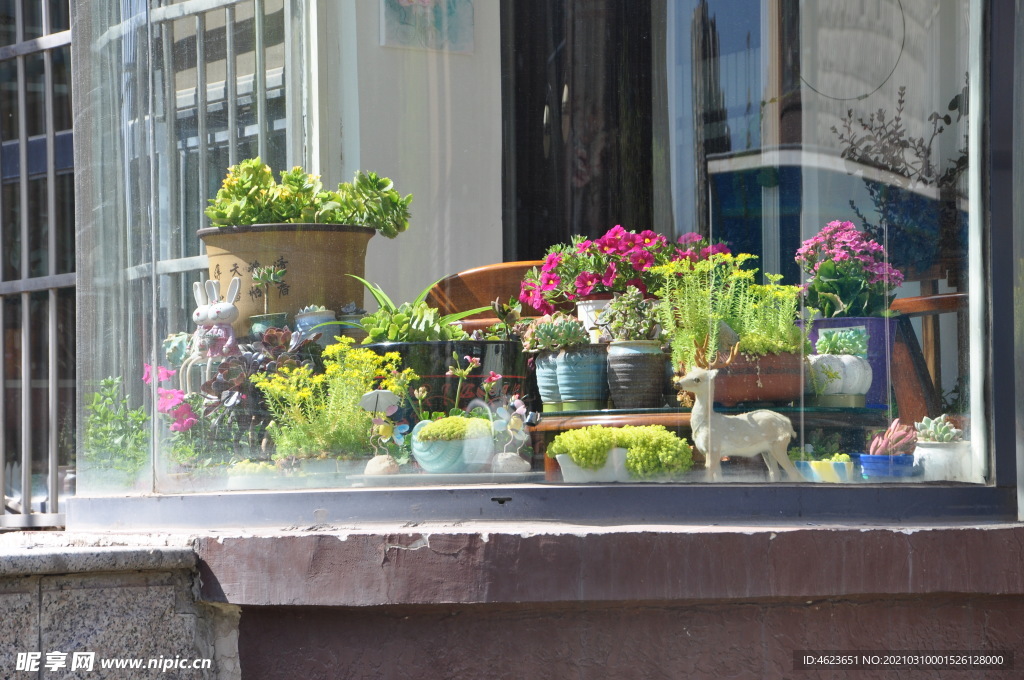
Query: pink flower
{"points": [[184, 418], [692, 237], [637, 283], [609, 275], [472, 362], [162, 373], [651, 238], [584, 246], [492, 378], [714, 249], [549, 281], [551, 262], [641, 260], [168, 399], [585, 283], [685, 255], [147, 373]]}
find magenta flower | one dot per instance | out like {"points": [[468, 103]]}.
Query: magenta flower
{"points": [[714, 249], [641, 260], [184, 418], [551, 262], [168, 399], [691, 237], [492, 378], [608, 279], [585, 283], [549, 281]]}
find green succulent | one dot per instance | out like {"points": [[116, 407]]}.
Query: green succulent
{"points": [[630, 317], [249, 195], [554, 332], [312, 308], [938, 430], [852, 341], [454, 428]]}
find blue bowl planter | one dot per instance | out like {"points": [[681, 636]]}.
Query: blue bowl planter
{"points": [[547, 381], [882, 467], [449, 456], [826, 471], [583, 377]]}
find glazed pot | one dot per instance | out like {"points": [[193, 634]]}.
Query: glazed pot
{"points": [[583, 377], [770, 378], [881, 335], [636, 373]]}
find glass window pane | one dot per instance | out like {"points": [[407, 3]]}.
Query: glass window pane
{"points": [[32, 18], [66, 375], [11, 227], [65, 223], [8, 22], [61, 63], [39, 229], [35, 94], [12, 377], [60, 16], [9, 99]]}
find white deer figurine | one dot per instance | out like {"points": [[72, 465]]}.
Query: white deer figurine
{"points": [[747, 434]]}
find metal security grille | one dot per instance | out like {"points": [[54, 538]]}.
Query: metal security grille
{"points": [[37, 273]]}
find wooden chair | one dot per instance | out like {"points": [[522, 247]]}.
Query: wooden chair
{"points": [[479, 287], [918, 389]]}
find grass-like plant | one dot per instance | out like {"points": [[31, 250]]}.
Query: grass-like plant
{"points": [[318, 415], [116, 436], [699, 296]]}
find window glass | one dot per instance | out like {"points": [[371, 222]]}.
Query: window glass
{"points": [[35, 94], [61, 65], [792, 206], [10, 204], [32, 18], [8, 22], [9, 99]]}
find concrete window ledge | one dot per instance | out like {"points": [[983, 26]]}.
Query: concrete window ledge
{"points": [[551, 564]]}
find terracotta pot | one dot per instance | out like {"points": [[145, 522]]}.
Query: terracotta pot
{"points": [[772, 377], [318, 258]]}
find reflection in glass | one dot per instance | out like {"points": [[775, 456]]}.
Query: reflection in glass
{"points": [[64, 222], [66, 374], [60, 15], [12, 376], [8, 23], [39, 229], [9, 99], [32, 18], [11, 228], [35, 94], [61, 69]]}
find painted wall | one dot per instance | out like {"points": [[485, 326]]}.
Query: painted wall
{"points": [[430, 120]]}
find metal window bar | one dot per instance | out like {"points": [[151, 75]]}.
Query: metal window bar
{"points": [[17, 511]]}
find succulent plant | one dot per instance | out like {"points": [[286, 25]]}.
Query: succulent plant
{"points": [[898, 440], [939, 429], [265, 277], [454, 428], [553, 332], [846, 341], [312, 308], [630, 317]]}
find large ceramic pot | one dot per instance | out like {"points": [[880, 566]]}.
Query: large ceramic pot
{"points": [[431, 360], [636, 373], [583, 377], [546, 371], [881, 334], [769, 378], [318, 258], [841, 380]]}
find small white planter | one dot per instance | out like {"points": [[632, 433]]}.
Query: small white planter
{"points": [[944, 461], [587, 312], [614, 469]]}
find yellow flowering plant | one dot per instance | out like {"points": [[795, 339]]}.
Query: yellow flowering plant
{"points": [[705, 299], [318, 415]]}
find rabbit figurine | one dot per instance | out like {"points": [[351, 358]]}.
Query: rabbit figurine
{"points": [[197, 344], [219, 340]]}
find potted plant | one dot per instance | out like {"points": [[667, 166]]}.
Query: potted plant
{"points": [[636, 364], [839, 374], [941, 450], [311, 316], [426, 340], [890, 453], [319, 416], [571, 372], [851, 285], [297, 224], [713, 304], [620, 454], [821, 458], [264, 279], [587, 272], [457, 443], [115, 448]]}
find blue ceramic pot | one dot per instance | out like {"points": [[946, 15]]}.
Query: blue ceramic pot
{"points": [[583, 374], [547, 378], [888, 467], [447, 456]]}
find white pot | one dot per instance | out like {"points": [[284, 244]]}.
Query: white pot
{"points": [[944, 461], [614, 469], [587, 312], [853, 374]]}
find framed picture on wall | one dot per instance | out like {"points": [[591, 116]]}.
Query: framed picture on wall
{"points": [[445, 25]]}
